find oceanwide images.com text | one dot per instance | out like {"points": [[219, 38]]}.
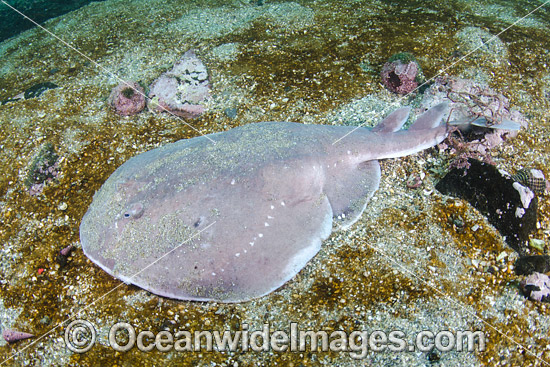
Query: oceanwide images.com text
{"points": [[80, 336]]}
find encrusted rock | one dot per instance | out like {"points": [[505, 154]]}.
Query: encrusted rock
{"points": [[183, 89], [537, 287]]}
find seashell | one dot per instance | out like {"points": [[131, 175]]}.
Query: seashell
{"points": [[532, 178], [67, 250], [12, 336]]}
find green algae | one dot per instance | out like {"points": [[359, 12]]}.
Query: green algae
{"points": [[39, 171]]}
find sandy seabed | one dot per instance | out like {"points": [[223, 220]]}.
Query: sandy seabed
{"points": [[405, 265]]}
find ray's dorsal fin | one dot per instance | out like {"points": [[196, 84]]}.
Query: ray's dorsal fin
{"points": [[393, 122], [430, 118]]}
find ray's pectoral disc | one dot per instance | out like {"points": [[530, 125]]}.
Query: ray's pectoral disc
{"points": [[235, 220]]}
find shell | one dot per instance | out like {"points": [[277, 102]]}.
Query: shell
{"points": [[532, 178], [12, 336], [67, 250]]}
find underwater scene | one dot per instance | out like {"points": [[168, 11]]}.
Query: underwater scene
{"points": [[275, 183]]}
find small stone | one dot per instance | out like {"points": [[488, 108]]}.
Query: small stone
{"points": [[537, 244], [502, 255], [63, 206]]}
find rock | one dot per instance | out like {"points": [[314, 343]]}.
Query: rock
{"points": [[32, 92], [480, 44], [508, 205], [532, 264], [183, 89], [44, 169]]}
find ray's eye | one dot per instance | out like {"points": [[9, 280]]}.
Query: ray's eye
{"points": [[134, 211]]}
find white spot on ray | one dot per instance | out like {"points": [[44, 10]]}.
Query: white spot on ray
{"points": [[282, 203], [272, 207], [260, 235], [251, 244], [237, 254], [266, 224], [233, 182], [269, 217]]}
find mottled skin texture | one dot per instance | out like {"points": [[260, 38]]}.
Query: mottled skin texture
{"points": [[235, 220]]}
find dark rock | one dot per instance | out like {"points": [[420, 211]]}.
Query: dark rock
{"points": [[61, 260], [532, 264], [433, 357], [5, 101], [37, 89], [508, 205]]}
